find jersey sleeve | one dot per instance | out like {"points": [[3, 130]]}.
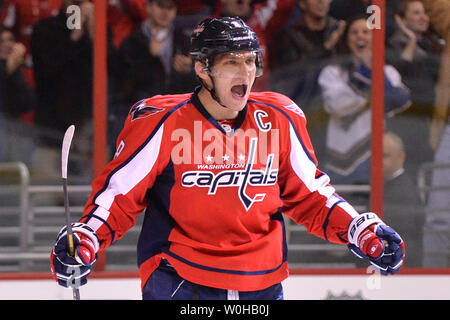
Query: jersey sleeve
{"points": [[119, 193], [308, 197]]}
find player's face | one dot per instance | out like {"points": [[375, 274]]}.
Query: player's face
{"points": [[234, 74]]}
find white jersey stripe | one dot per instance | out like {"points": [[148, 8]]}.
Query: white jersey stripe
{"points": [[127, 177], [332, 201], [96, 223], [305, 169], [348, 208]]}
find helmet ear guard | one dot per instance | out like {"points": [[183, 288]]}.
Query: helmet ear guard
{"points": [[259, 63]]}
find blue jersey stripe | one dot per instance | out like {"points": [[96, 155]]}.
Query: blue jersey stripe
{"points": [[158, 223], [325, 223], [237, 272]]}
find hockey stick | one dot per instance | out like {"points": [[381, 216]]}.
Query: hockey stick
{"points": [[64, 161]]}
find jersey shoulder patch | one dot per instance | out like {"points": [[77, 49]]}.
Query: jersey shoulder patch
{"points": [[143, 109], [156, 104]]}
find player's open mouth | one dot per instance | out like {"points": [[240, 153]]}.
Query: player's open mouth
{"points": [[239, 90]]}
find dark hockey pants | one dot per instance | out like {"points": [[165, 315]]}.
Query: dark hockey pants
{"points": [[166, 284]]}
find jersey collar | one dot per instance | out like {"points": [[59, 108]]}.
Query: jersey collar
{"points": [[199, 106]]}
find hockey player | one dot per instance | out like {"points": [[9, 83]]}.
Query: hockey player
{"points": [[214, 170]]}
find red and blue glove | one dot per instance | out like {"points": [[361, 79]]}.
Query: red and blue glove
{"points": [[370, 238], [71, 271]]}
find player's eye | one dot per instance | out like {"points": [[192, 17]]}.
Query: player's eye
{"points": [[231, 62], [250, 61]]}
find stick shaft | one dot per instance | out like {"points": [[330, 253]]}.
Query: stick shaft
{"points": [[68, 223], [76, 291], [64, 163]]}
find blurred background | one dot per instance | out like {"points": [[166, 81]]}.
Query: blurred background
{"points": [[317, 52]]}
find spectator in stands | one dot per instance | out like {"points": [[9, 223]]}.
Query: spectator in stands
{"points": [[403, 209], [190, 12], [20, 16], [155, 57], [346, 89], [240, 8], [415, 52], [16, 97], [314, 35], [123, 17], [439, 13], [437, 240], [346, 9], [63, 74], [300, 52]]}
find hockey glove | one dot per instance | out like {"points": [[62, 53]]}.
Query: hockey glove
{"points": [[73, 271], [370, 238]]}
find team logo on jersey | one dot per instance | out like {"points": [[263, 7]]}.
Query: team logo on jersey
{"points": [[236, 178], [141, 110]]}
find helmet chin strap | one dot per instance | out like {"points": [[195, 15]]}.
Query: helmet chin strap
{"points": [[212, 91]]}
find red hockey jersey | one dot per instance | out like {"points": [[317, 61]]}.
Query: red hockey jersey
{"points": [[214, 195]]}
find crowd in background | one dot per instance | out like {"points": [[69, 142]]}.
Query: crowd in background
{"points": [[317, 52]]}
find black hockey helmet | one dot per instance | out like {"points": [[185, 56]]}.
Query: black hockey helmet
{"points": [[215, 36]]}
